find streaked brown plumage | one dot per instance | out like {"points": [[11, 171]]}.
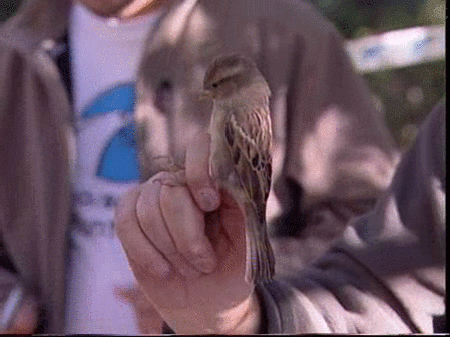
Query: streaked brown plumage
{"points": [[241, 141]]}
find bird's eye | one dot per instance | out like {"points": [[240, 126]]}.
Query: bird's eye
{"points": [[220, 82]]}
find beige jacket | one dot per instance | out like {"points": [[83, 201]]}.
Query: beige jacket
{"points": [[386, 274], [328, 137]]}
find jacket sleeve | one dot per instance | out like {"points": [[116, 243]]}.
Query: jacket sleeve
{"points": [[387, 273], [9, 283], [332, 124]]}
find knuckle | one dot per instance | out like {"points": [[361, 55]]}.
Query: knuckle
{"points": [[159, 175], [192, 249], [171, 253]]}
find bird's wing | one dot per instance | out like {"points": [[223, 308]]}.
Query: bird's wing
{"points": [[249, 137]]}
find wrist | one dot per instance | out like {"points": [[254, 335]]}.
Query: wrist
{"points": [[242, 319]]}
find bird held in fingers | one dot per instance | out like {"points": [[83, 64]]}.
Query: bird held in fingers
{"points": [[241, 141]]}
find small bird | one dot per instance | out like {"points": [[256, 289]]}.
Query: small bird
{"points": [[241, 141]]}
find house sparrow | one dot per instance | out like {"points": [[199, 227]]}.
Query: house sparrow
{"points": [[241, 140]]}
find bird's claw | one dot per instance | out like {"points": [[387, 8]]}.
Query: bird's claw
{"points": [[174, 179]]}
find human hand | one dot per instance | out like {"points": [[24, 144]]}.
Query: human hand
{"points": [[186, 246], [148, 319]]}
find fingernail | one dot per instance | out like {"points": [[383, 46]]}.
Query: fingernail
{"points": [[208, 199]]}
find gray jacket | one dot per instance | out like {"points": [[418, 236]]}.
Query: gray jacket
{"points": [[386, 275]]}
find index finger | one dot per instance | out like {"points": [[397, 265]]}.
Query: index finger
{"points": [[197, 173], [135, 243]]}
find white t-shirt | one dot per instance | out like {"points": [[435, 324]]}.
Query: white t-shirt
{"points": [[104, 59]]}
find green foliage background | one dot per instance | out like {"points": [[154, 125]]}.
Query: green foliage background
{"points": [[7, 8], [406, 94]]}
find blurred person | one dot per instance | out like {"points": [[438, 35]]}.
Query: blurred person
{"points": [[97, 95], [385, 274]]}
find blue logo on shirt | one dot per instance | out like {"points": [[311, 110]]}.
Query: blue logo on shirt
{"points": [[119, 161]]}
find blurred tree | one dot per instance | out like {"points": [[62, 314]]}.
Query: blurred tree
{"points": [[7, 8], [357, 18], [407, 94]]}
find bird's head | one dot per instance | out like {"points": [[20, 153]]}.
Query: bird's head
{"points": [[229, 75]]}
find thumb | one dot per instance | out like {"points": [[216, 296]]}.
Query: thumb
{"points": [[197, 173]]}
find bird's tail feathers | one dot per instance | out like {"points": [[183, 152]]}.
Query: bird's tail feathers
{"points": [[260, 259]]}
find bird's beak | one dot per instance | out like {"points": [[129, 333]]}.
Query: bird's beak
{"points": [[205, 95]]}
